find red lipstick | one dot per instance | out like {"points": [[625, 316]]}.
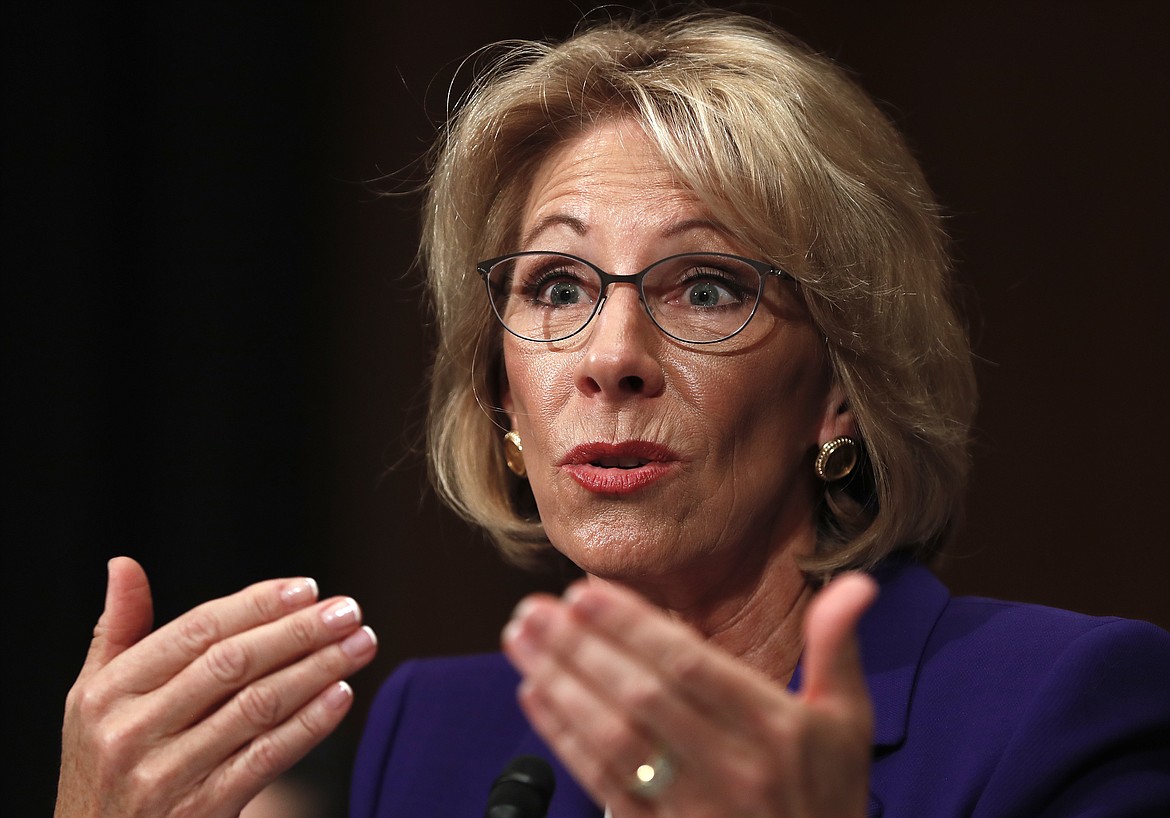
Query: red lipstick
{"points": [[618, 468]]}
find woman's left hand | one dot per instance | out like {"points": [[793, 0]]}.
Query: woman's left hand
{"points": [[611, 683]]}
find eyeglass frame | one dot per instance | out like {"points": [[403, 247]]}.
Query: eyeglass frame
{"points": [[763, 268]]}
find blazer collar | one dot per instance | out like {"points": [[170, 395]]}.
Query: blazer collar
{"points": [[893, 635]]}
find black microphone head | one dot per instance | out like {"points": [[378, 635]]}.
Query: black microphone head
{"points": [[523, 790]]}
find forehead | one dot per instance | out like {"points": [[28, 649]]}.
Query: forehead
{"points": [[612, 173]]}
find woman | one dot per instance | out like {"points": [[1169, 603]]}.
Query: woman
{"points": [[713, 363]]}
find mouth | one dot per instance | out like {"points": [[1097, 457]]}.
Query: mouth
{"points": [[619, 468], [619, 462], [631, 454]]}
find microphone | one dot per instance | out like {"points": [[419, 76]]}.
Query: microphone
{"points": [[522, 790]]}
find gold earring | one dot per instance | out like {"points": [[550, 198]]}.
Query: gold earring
{"points": [[514, 454], [836, 459]]}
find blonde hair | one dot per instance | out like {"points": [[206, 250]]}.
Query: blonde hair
{"points": [[792, 157]]}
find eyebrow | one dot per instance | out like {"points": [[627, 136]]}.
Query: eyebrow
{"points": [[572, 222], [580, 228]]}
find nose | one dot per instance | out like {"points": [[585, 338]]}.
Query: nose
{"points": [[621, 354]]}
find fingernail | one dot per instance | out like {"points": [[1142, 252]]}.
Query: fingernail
{"points": [[342, 614], [522, 608], [533, 616], [359, 643], [517, 640], [299, 591], [511, 631], [583, 604], [573, 593], [337, 696]]}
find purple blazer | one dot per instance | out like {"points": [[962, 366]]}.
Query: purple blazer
{"points": [[983, 708]]}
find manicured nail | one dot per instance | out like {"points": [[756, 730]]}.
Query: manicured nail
{"points": [[585, 605], [299, 592], [511, 631], [525, 632], [359, 643], [522, 608], [518, 637], [337, 696], [533, 616], [342, 614]]}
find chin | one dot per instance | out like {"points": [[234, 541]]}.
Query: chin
{"points": [[616, 554]]}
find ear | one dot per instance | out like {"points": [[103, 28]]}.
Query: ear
{"points": [[837, 419]]}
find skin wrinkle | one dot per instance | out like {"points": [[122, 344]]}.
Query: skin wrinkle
{"points": [[716, 542], [728, 623]]}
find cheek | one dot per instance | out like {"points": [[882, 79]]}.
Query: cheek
{"points": [[781, 380], [515, 389], [774, 403], [536, 383]]}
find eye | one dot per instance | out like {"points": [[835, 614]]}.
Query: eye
{"points": [[560, 293], [708, 293], [554, 281], [706, 284]]}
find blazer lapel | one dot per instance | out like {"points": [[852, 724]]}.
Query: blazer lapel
{"points": [[893, 635]]}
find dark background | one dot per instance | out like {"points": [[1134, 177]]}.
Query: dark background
{"points": [[214, 345]]}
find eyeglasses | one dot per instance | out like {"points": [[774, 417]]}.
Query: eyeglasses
{"points": [[697, 298]]}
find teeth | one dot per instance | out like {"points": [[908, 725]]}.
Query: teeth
{"points": [[620, 462]]}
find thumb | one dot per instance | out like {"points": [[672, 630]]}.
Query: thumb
{"points": [[832, 657], [127, 617]]}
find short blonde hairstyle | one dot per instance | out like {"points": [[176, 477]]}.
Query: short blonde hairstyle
{"points": [[790, 155]]}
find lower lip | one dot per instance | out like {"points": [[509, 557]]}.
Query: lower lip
{"points": [[601, 480]]}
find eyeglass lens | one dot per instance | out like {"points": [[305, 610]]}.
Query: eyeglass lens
{"points": [[696, 298]]}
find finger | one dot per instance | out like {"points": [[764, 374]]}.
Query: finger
{"points": [[555, 656], [260, 761], [232, 664], [593, 764], [832, 659], [167, 651], [547, 642], [126, 617], [602, 736], [710, 680], [267, 703]]}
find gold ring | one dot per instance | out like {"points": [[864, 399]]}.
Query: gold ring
{"points": [[652, 777]]}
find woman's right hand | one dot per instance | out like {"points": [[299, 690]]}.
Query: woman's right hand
{"points": [[197, 717]]}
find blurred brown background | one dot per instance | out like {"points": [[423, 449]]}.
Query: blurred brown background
{"points": [[215, 349]]}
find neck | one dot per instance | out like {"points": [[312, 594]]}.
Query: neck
{"points": [[752, 611]]}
